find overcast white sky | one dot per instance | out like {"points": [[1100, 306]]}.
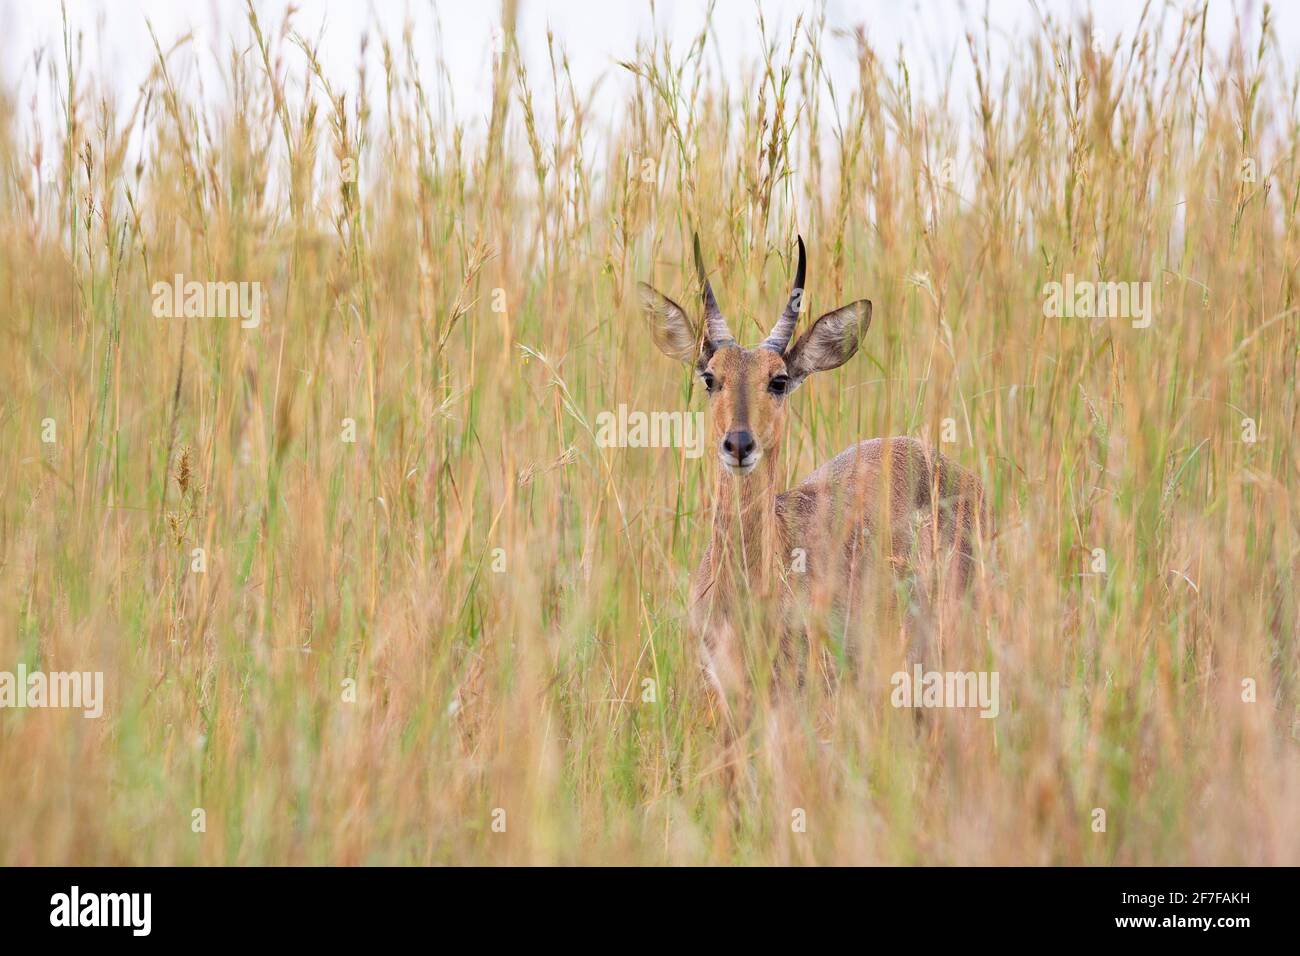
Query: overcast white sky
{"points": [[595, 33]]}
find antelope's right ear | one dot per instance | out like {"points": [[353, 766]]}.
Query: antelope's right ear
{"points": [[830, 342], [672, 330]]}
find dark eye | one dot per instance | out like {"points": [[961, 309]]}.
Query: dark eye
{"points": [[779, 385], [710, 383]]}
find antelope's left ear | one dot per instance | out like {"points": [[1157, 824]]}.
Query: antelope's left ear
{"points": [[830, 342], [673, 332]]}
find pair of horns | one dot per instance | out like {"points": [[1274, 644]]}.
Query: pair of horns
{"points": [[779, 337]]}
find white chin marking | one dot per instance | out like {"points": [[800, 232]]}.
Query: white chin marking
{"points": [[744, 469]]}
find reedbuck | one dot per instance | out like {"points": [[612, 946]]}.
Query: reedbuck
{"points": [[883, 502]]}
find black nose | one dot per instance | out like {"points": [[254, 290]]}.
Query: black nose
{"points": [[739, 445]]}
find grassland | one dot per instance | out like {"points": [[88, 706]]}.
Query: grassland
{"points": [[395, 637]]}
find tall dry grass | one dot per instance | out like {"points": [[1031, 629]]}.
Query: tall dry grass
{"points": [[514, 679]]}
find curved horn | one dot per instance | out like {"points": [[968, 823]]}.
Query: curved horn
{"points": [[779, 337], [715, 324]]}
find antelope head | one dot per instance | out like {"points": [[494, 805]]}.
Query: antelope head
{"points": [[748, 387]]}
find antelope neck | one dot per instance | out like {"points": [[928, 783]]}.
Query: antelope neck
{"points": [[746, 535]]}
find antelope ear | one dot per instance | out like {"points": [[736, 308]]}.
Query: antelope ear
{"points": [[830, 342], [672, 330]]}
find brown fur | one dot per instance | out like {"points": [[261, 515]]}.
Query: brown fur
{"points": [[882, 505], [879, 511]]}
